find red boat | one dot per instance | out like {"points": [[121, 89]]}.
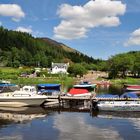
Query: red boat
{"points": [[132, 87], [104, 83], [79, 92]]}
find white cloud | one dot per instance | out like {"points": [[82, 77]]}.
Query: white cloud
{"points": [[0, 23], [23, 29], [134, 39], [77, 20], [12, 10]]}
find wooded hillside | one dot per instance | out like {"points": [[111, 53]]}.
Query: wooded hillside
{"points": [[22, 49]]}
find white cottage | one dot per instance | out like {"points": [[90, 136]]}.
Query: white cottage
{"points": [[59, 68]]}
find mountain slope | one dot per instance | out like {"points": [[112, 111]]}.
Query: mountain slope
{"points": [[58, 44], [17, 48]]}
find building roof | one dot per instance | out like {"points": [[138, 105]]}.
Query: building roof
{"points": [[59, 65]]}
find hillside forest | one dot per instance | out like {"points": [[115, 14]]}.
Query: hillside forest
{"points": [[22, 49]]}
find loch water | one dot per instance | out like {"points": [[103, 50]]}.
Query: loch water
{"points": [[59, 123]]}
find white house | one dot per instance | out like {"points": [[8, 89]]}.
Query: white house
{"points": [[59, 68]]}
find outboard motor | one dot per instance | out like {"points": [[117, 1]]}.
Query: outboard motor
{"points": [[94, 105]]}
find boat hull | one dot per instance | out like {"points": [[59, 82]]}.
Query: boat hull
{"points": [[79, 95], [20, 102], [119, 105], [132, 87]]}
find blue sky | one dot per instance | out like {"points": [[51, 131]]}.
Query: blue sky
{"points": [[98, 28]]}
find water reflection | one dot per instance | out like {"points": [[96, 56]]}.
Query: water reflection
{"points": [[69, 122], [63, 123], [20, 115], [76, 127], [110, 90]]}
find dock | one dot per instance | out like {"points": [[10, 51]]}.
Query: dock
{"points": [[89, 98]]}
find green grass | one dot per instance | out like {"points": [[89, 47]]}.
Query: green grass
{"points": [[127, 80], [13, 75]]}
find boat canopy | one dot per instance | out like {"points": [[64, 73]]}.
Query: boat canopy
{"points": [[48, 85], [6, 84], [129, 95], [43, 87], [107, 96], [74, 91]]}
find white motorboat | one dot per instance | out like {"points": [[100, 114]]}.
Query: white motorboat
{"points": [[126, 102], [27, 96], [119, 105]]}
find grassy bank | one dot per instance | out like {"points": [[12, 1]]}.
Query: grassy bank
{"points": [[13, 75], [127, 80]]}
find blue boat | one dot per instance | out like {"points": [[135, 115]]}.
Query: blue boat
{"points": [[48, 89], [7, 86], [129, 95]]}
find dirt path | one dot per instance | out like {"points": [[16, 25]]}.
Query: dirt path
{"points": [[92, 76]]}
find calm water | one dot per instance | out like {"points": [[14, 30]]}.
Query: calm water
{"points": [[67, 124]]}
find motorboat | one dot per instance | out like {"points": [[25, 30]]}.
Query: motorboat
{"points": [[78, 92], [119, 105], [126, 102], [132, 87], [49, 89], [26, 96], [85, 85], [82, 89], [6, 86], [104, 83]]}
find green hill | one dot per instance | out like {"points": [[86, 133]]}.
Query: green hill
{"points": [[17, 48]]}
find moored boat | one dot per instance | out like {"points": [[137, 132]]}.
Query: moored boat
{"points": [[27, 96], [82, 89], [119, 105], [132, 87], [85, 85], [78, 92], [49, 89], [126, 102]]}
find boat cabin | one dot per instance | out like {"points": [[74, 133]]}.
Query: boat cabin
{"points": [[31, 89]]}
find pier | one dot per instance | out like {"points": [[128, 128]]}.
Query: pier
{"points": [[89, 98], [89, 101]]}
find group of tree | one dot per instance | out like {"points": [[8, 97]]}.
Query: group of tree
{"points": [[124, 64], [22, 49]]}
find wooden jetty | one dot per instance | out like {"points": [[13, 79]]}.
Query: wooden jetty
{"points": [[89, 98], [93, 100], [88, 101]]}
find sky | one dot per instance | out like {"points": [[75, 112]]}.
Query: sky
{"points": [[97, 28]]}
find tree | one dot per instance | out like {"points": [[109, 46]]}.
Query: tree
{"points": [[77, 69], [119, 65], [136, 65]]}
